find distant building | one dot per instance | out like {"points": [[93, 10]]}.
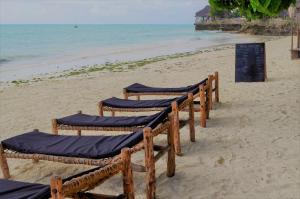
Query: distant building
{"points": [[284, 14], [203, 15], [298, 10], [295, 47], [294, 12]]}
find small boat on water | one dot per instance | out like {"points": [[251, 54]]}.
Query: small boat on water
{"points": [[75, 26]]}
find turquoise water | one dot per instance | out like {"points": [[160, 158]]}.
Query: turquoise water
{"points": [[27, 50], [27, 41]]}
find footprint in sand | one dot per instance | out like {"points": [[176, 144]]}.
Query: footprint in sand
{"points": [[233, 157], [201, 162], [244, 121], [268, 178], [220, 161], [222, 188], [283, 112], [275, 154]]}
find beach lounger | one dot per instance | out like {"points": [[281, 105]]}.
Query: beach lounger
{"points": [[95, 150], [126, 105], [182, 103], [175, 105], [139, 90], [74, 186], [80, 122]]}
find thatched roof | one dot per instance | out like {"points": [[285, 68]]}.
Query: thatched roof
{"points": [[205, 12]]}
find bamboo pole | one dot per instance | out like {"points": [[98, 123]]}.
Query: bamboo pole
{"points": [[202, 107], [171, 152], [125, 93], [100, 108], [79, 131], [128, 185], [176, 128], [3, 163], [217, 87], [56, 188], [149, 163], [207, 99], [191, 117], [35, 160], [54, 127], [210, 88]]}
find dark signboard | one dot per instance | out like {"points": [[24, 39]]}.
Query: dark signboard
{"points": [[250, 62]]}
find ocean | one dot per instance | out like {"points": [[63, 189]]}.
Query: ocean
{"points": [[30, 50]]}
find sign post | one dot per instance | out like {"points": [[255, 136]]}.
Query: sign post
{"points": [[250, 62]]}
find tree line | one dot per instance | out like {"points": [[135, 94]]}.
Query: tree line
{"points": [[251, 9]]}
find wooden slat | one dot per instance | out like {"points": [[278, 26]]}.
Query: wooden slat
{"points": [[94, 128], [161, 153], [97, 196], [158, 147], [138, 167]]}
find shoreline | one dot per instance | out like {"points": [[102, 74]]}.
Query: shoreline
{"points": [[125, 66], [135, 43]]}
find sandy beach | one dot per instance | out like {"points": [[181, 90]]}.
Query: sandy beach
{"points": [[250, 148]]}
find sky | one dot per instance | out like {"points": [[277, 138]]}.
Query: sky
{"points": [[99, 11]]}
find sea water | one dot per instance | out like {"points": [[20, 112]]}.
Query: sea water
{"points": [[30, 50]]}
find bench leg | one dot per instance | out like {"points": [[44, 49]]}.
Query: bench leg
{"points": [[149, 164], [202, 107], [127, 174], [191, 118], [171, 152], [217, 87], [176, 128], [56, 188], [3, 163]]}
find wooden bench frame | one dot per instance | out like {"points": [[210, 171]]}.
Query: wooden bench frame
{"points": [[79, 184], [146, 144], [213, 81], [76, 187], [186, 105]]}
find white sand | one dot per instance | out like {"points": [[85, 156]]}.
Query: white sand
{"points": [[250, 148]]}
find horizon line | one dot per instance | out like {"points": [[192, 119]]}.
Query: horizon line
{"points": [[96, 23]]}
